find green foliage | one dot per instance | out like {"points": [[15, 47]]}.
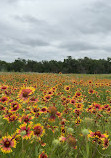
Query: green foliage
{"points": [[69, 65]]}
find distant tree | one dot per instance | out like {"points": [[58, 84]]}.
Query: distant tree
{"points": [[69, 65], [19, 65]]}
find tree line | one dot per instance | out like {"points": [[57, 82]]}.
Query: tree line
{"points": [[69, 65]]}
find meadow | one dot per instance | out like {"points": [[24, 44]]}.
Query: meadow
{"points": [[55, 115]]}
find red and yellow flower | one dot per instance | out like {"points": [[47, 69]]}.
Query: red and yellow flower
{"points": [[4, 99], [4, 87], [25, 93], [15, 106], [67, 88], [25, 131], [7, 143], [26, 118], [38, 130], [43, 155]]}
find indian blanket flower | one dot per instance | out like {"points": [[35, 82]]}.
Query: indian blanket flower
{"points": [[59, 114], [63, 121], [35, 110], [25, 131], [67, 88], [80, 100], [3, 99], [62, 139], [63, 131], [33, 100], [26, 118], [2, 108], [7, 143], [78, 94], [43, 109], [91, 91], [15, 106], [72, 101], [63, 98], [38, 130], [7, 93], [78, 120], [105, 107], [97, 106], [77, 112], [12, 118], [105, 143], [79, 106], [4, 87], [50, 92], [42, 143], [43, 155], [25, 93], [47, 97]]}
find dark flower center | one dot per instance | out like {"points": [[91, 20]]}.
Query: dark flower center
{"points": [[4, 87], [43, 109], [72, 101], [63, 130], [3, 99], [12, 118], [33, 99], [25, 94], [7, 144], [36, 110], [26, 120], [14, 106], [98, 133], [106, 142], [1, 107], [37, 131], [47, 97]]}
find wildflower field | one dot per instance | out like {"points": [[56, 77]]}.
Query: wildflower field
{"points": [[55, 115]]}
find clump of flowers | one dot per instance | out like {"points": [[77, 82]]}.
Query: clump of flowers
{"points": [[99, 138]]}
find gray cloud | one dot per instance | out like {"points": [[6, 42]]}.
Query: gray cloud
{"points": [[78, 46], [98, 18], [45, 30], [30, 19], [34, 42]]}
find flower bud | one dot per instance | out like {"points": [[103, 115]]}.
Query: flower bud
{"points": [[56, 142], [85, 132], [70, 130], [23, 133]]}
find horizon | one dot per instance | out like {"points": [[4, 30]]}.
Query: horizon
{"points": [[56, 60]]}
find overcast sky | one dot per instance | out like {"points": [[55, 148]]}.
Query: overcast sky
{"points": [[54, 29]]}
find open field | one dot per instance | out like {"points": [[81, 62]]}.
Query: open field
{"points": [[55, 115]]}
